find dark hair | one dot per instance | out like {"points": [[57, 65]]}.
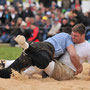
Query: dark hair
{"points": [[74, 20], [75, 11], [80, 28], [67, 30]]}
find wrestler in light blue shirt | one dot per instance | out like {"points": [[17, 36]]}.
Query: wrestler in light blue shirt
{"points": [[60, 42]]}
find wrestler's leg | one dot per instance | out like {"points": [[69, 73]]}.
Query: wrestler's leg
{"points": [[37, 57], [41, 53], [24, 61], [40, 57], [35, 70], [49, 69], [32, 70], [8, 63], [29, 71]]}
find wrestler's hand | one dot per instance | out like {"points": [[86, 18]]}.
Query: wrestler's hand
{"points": [[79, 70], [21, 41]]}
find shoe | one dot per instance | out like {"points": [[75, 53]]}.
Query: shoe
{"points": [[20, 39], [2, 64], [22, 42]]}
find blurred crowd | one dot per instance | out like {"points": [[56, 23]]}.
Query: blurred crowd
{"points": [[37, 23]]}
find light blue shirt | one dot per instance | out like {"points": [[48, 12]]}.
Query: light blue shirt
{"points": [[60, 42]]}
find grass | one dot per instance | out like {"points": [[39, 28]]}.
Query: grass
{"points": [[9, 53]]}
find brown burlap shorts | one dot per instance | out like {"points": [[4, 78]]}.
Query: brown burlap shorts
{"points": [[62, 72]]}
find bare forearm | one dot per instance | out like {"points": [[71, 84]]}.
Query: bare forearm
{"points": [[74, 58], [76, 62]]}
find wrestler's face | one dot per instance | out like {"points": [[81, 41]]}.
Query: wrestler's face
{"points": [[77, 37]]}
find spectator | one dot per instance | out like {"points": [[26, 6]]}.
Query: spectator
{"points": [[37, 20], [41, 27], [33, 8], [34, 33], [12, 28], [53, 5], [2, 2], [55, 28], [52, 17], [13, 14], [15, 2], [72, 22], [66, 4], [47, 27], [76, 4], [5, 34], [25, 31], [21, 30], [27, 12], [28, 22], [46, 3], [55, 1], [20, 11], [2, 18], [48, 14], [64, 23]]}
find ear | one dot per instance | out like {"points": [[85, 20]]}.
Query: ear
{"points": [[83, 35]]}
